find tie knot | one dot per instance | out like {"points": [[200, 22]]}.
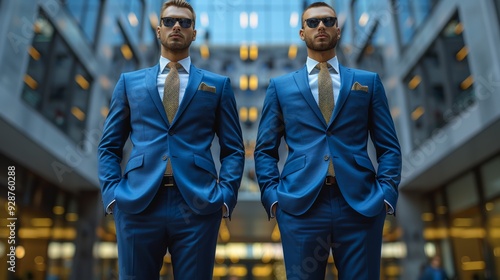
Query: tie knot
{"points": [[174, 65], [323, 65]]}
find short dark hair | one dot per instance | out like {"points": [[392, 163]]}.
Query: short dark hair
{"points": [[180, 4], [315, 5]]}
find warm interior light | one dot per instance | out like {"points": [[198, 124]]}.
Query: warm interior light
{"points": [[462, 53], [204, 51], [254, 52], [467, 83], [243, 52], [30, 82], [292, 52], [126, 52], [243, 82], [254, 82], [82, 82], [417, 113], [414, 82], [34, 53], [78, 113]]}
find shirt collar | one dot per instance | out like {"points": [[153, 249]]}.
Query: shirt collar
{"points": [[311, 64], [185, 62]]}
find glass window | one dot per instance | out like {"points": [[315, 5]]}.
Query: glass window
{"points": [[363, 10], [86, 14], [134, 12], [237, 22], [466, 231], [497, 4], [491, 178], [416, 103], [373, 56], [441, 86], [150, 46], [123, 57], [56, 84], [411, 15], [491, 181], [454, 54]]}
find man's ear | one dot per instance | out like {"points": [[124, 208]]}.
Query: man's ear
{"points": [[301, 34]]}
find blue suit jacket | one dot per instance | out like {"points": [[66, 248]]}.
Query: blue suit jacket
{"points": [[290, 111], [137, 112]]}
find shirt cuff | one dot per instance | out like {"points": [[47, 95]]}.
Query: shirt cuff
{"points": [[227, 211], [271, 214], [390, 211], [109, 209]]}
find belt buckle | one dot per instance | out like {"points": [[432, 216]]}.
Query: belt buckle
{"points": [[168, 181], [330, 180]]}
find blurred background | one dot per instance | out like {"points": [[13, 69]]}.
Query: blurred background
{"points": [[439, 62]]}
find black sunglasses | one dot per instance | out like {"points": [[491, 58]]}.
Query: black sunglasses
{"points": [[170, 22], [314, 22]]}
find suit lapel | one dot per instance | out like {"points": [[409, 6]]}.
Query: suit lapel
{"points": [[151, 77], [301, 78], [195, 76], [346, 77]]}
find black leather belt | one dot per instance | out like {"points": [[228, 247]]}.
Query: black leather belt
{"points": [[168, 181], [330, 181]]}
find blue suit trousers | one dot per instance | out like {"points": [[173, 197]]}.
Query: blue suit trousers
{"points": [[167, 223], [331, 225]]}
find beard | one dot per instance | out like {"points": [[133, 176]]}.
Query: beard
{"points": [[320, 46], [177, 45]]}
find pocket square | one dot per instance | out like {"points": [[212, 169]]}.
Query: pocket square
{"points": [[206, 87], [358, 86]]}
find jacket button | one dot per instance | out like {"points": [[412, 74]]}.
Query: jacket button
{"points": [[326, 157], [171, 132], [164, 157], [328, 133]]}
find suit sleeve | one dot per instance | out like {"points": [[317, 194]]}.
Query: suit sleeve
{"points": [[271, 130], [115, 134], [232, 152], [385, 141]]}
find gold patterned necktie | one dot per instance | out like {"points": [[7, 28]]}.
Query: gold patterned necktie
{"points": [[325, 91], [325, 99], [171, 91], [171, 99]]}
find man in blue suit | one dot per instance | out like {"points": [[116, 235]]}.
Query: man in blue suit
{"points": [[328, 196], [170, 195]]}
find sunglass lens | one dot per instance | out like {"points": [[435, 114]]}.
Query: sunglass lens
{"points": [[329, 21], [185, 22], [168, 22], [312, 22]]}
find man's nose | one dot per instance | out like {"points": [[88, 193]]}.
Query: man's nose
{"points": [[176, 25]]}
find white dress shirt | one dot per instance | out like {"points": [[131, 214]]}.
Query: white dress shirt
{"points": [[313, 73], [183, 75]]}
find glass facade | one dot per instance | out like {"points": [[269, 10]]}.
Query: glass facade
{"points": [[225, 22], [411, 15], [440, 86], [45, 215], [372, 58], [56, 83], [86, 14], [462, 223], [133, 10]]}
